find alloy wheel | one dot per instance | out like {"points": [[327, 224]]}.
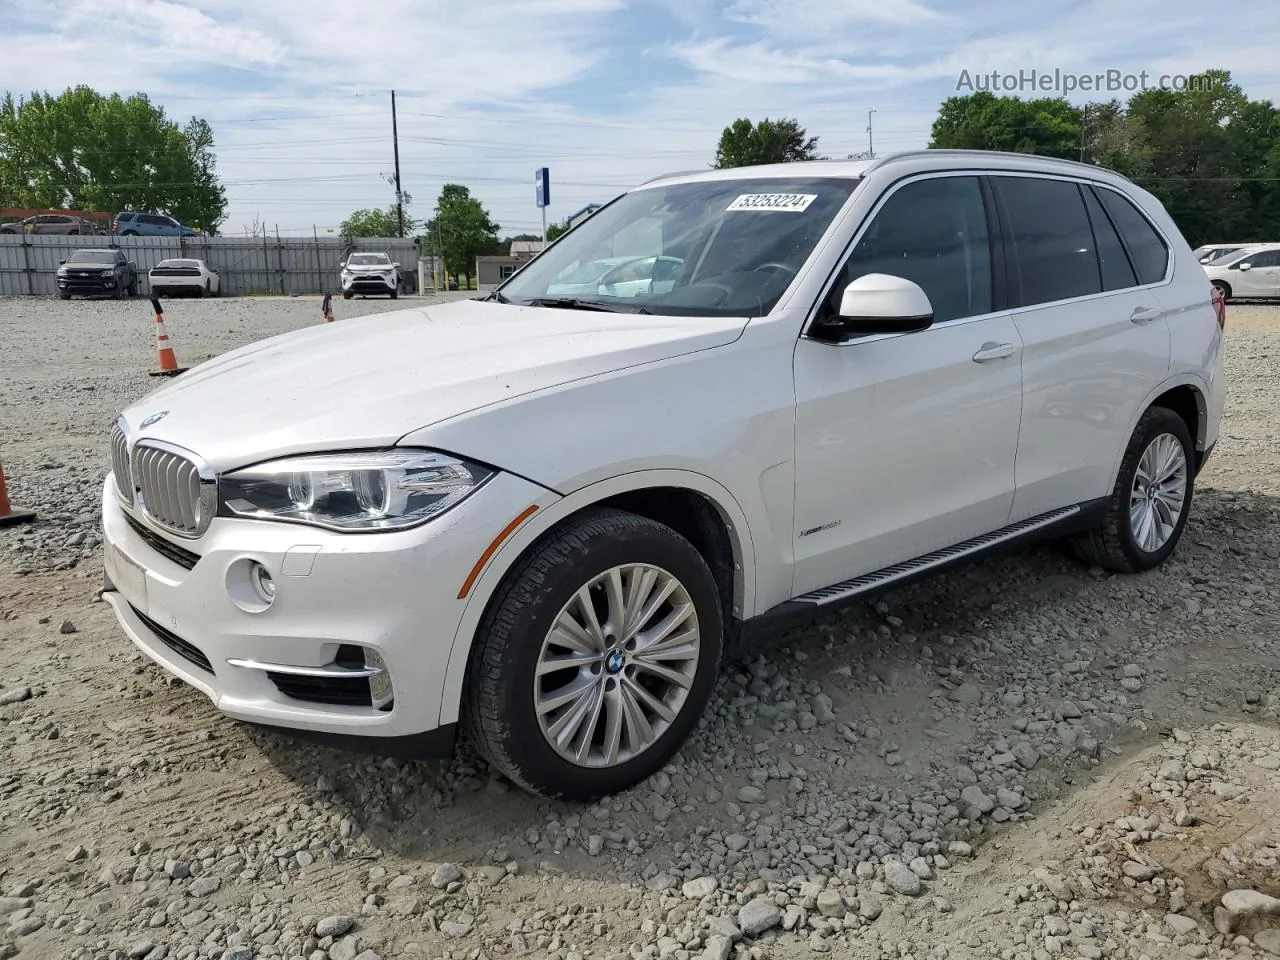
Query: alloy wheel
{"points": [[1159, 493]]}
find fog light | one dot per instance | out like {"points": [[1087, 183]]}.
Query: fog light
{"points": [[379, 684], [263, 585]]}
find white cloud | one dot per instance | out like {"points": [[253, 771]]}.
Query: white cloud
{"points": [[816, 19]]}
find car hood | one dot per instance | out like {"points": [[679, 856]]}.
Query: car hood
{"points": [[368, 381], [369, 268]]}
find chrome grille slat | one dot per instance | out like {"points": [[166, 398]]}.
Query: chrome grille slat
{"points": [[120, 464], [172, 491]]}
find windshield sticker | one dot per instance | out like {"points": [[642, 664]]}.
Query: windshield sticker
{"points": [[782, 202]]}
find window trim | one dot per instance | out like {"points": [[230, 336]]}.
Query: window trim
{"points": [[994, 230]]}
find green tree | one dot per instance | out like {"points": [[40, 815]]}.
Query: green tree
{"points": [[744, 143], [983, 121], [463, 229], [556, 230], [84, 151], [375, 223]]}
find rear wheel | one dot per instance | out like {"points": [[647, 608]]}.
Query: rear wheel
{"points": [[596, 657], [1147, 510], [128, 233], [1224, 287]]}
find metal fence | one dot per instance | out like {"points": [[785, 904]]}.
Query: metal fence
{"points": [[261, 265]]}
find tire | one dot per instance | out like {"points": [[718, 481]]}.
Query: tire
{"points": [[128, 233], [1224, 287], [346, 294], [395, 294], [133, 287], [1114, 545], [208, 289], [64, 296], [120, 292], [499, 711]]}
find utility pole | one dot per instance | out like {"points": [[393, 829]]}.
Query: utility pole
{"points": [[395, 140], [871, 147]]}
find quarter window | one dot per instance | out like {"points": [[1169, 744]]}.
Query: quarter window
{"points": [[1054, 256], [1117, 271], [932, 232], [1148, 250]]}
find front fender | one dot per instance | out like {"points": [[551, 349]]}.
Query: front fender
{"points": [[550, 511]]}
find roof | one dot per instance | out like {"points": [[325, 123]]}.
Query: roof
{"points": [[853, 169], [587, 209], [526, 246]]}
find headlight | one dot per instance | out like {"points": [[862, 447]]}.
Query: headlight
{"points": [[108, 273], [352, 492]]}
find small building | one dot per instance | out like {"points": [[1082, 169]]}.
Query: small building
{"points": [[491, 271]]}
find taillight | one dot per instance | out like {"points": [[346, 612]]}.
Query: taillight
{"points": [[1219, 301]]}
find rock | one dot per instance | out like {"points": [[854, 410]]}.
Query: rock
{"points": [[1069, 710], [140, 949], [1181, 924], [737, 842], [1026, 755], [334, 926], [1227, 791], [1251, 903], [454, 929], [1138, 871], [1132, 684], [921, 868], [724, 927], [204, 886], [974, 797], [899, 877], [661, 882], [177, 869], [445, 874], [1268, 941], [10, 905], [1225, 922], [958, 848], [363, 955], [67, 628], [869, 909], [76, 854], [1056, 927], [751, 795], [699, 888], [16, 695], [718, 948], [1270, 762], [23, 928], [759, 915], [1059, 888], [831, 903], [967, 693], [346, 948]]}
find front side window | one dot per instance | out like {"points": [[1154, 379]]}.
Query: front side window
{"points": [[934, 233], [1054, 255], [1267, 258], [729, 248]]}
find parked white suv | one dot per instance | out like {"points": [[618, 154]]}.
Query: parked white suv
{"points": [[547, 520], [366, 273]]}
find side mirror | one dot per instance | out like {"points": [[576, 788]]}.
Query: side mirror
{"points": [[1246, 266], [61, 262], [396, 265], [881, 303]]}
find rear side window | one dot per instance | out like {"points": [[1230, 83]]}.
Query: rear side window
{"points": [[124, 217], [1117, 271], [1268, 258], [1054, 256], [1146, 247]]}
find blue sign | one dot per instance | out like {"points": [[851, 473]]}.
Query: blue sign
{"points": [[542, 186]]}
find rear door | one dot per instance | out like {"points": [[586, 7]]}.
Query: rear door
{"points": [[1094, 332]]}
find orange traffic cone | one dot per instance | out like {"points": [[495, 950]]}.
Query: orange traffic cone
{"points": [[168, 362], [327, 308], [8, 515]]}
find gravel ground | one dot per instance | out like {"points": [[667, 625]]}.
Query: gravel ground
{"points": [[1021, 759]]}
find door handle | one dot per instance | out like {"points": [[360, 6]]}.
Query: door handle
{"points": [[1143, 314], [994, 351]]}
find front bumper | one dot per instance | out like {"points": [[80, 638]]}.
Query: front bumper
{"points": [[372, 283], [86, 285], [392, 597]]}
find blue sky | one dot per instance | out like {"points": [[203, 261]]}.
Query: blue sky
{"points": [[604, 92]]}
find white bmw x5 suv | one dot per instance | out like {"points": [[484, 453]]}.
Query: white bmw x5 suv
{"points": [[545, 520]]}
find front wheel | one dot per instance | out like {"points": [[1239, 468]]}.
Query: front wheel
{"points": [[596, 658], [1224, 287], [395, 294], [1147, 510]]}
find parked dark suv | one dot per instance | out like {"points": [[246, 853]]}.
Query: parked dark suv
{"points": [[104, 272], [129, 223]]}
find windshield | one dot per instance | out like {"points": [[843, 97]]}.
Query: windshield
{"points": [[368, 259], [715, 248], [93, 256]]}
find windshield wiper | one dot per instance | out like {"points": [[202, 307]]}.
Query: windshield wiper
{"points": [[569, 303]]}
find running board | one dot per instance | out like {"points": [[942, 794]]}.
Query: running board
{"points": [[909, 568]]}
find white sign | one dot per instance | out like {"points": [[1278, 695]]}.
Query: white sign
{"points": [[782, 202]]}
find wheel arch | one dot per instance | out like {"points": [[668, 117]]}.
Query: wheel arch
{"points": [[697, 507], [1187, 396]]}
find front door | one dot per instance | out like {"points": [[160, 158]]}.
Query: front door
{"points": [[905, 443]]}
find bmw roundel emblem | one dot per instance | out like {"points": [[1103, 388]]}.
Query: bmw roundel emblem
{"points": [[154, 418]]}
